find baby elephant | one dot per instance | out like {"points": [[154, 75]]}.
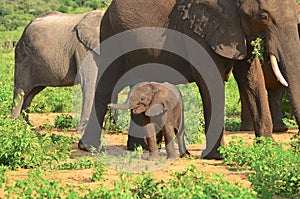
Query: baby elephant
{"points": [[157, 107]]}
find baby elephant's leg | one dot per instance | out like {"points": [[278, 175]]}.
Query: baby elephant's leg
{"points": [[151, 141], [169, 142]]}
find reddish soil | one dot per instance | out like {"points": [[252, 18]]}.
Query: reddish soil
{"points": [[82, 177]]}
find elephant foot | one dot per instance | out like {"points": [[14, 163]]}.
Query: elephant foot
{"points": [[186, 154], [153, 156], [84, 147], [280, 128], [212, 155]]}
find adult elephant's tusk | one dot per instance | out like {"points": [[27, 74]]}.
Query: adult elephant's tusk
{"points": [[276, 71]]}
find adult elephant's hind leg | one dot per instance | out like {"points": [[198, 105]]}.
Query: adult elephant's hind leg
{"points": [[18, 101], [275, 96], [27, 101]]}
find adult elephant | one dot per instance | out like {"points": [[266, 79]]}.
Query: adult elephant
{"points": [[275, 94], [57, 50], [221, 28]]}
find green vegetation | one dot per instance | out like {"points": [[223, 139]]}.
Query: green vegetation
{"points": [[15, 14], [187, 184], [64, 121], [274, 169], [22, 147]]}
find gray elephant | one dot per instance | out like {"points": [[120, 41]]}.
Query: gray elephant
{"points": [[275, 95], [222, 29], [157, 108], [57, 50]]}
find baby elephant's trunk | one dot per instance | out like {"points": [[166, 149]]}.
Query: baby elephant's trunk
{"points": [[124, 106]]}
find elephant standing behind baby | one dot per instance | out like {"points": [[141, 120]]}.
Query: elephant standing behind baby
{"points": [[156, 107], [221, 29], [275, 94], [57, 50]]}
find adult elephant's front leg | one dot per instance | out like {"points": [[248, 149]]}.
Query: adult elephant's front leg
{"points": [[214, 138], [251, 84]]}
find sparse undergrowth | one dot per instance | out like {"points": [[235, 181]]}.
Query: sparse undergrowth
{"points": [[187, 184]]}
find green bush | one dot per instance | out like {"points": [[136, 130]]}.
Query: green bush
{"points": [[188, 184], [3, 175], [193, 113], [275, 170], [98, 173], [36, 186], [232, 123], [64, 121], [22, 147], [53, 100]]}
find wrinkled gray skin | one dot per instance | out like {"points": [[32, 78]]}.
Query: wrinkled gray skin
{"points": [[57, 50], [157, 108], [275, 95], [222, 29]]}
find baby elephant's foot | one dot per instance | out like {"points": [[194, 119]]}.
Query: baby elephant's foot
{"points": [[185, 154], [153, 156]]}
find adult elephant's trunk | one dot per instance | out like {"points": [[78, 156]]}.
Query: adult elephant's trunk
{"points": [[288, 54], [292, 72]]}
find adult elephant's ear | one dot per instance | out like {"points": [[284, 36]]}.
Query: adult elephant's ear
{"points": [[88, 29], [217, 22]]}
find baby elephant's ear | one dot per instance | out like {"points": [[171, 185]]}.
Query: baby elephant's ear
{"points": [[155, 110]]}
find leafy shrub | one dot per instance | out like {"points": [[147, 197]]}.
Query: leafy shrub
{"points": [[232, 123], [36, 186], [232, 98], [194, 184], [53, 100], [22, 147], [275, 170], [98, 173], [64, 121], [109, 122], [289, 122], [237, 153], [193, 113], [3, 175]]}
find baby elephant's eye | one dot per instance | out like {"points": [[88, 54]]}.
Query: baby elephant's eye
{"points": [[142, 98]]}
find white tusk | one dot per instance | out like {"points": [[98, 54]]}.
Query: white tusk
{"points": [[276, 71]]}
